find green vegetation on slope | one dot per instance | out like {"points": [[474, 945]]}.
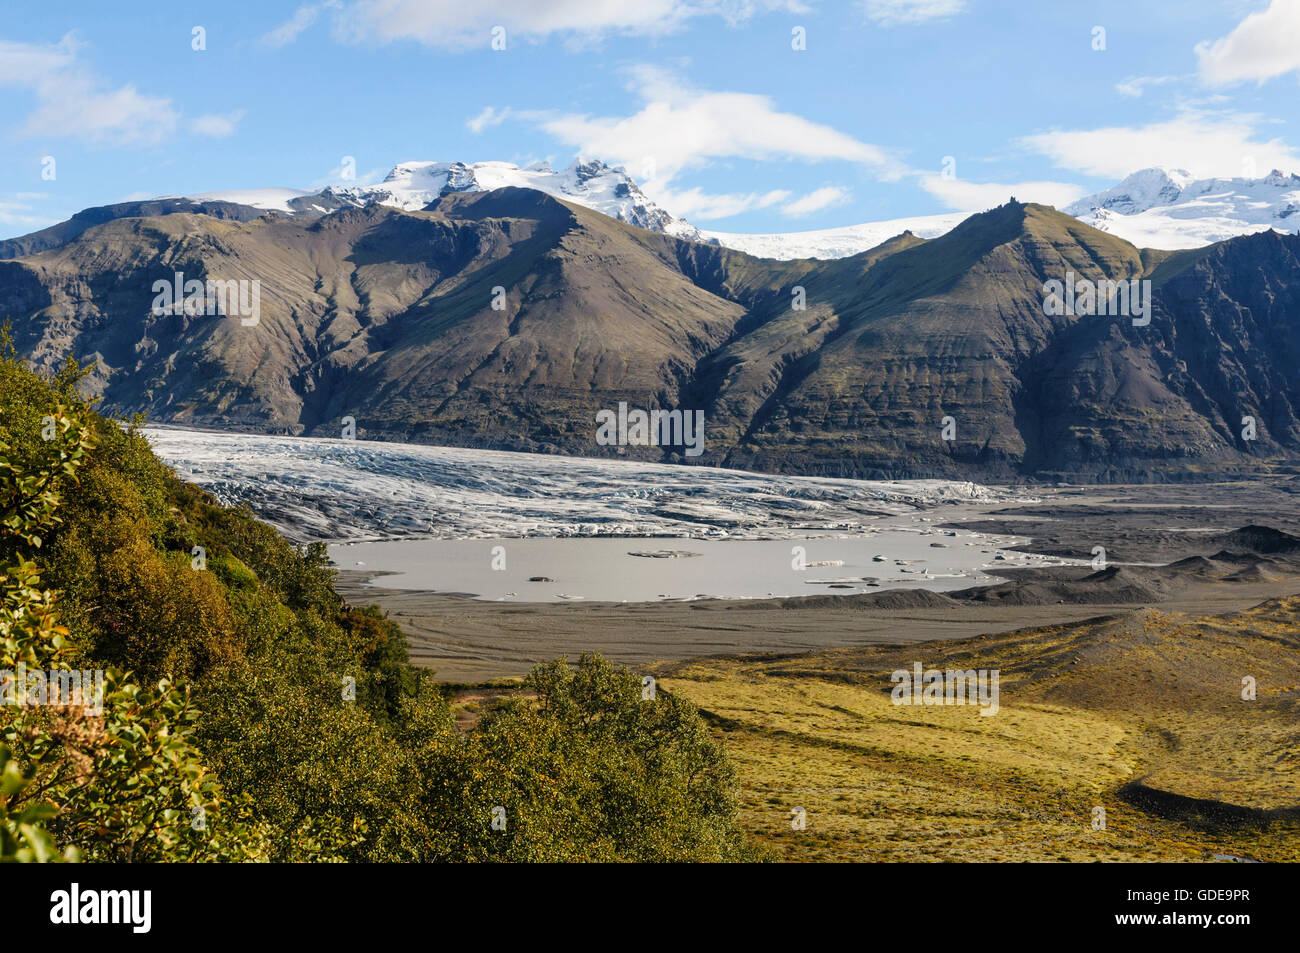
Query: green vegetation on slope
{"points": [[1141, 716], [251, 714]]}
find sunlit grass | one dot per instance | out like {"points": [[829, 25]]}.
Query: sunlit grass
{"points": [[1084, 710]]}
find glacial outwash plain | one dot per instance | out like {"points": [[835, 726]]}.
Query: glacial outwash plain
{"points": [[1122, 699]]}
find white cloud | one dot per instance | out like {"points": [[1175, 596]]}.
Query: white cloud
{"points": [[1264, 45], [817, 200], [704, 206], [72, 105], [456, 24], [1134, 86], [911, 12], [963, 196], [335, 177], [215, 126], [488, 117], [302, 18], [1206, 144], [22, 63], [18, 213], [678, 128], [72, 101]]}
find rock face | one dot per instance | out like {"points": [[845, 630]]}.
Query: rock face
{"points": [[509, 319]]}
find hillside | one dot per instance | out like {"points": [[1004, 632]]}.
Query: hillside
{"points": [[246, 712], [1141, 715]]}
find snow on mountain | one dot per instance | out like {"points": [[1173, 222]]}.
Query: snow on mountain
{"points": [[1167, 208], [272, 200], [413, 185], [1152, 208], [836, 242], [587, 182]]}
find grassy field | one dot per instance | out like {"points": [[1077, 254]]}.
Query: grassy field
{"points": [[1141, 715]]}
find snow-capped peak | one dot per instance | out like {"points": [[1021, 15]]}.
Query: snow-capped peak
{"points": [[414, 185], [1140, 191], [1152, 208], [1168, 208]]}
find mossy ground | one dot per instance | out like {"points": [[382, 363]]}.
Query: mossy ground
{"points": [[1085, 709]]}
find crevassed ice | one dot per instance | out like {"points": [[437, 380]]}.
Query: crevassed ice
{"points": [[336, 490]]}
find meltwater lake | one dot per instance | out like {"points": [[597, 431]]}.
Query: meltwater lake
{"points": [[540, 528], [658, 568]]}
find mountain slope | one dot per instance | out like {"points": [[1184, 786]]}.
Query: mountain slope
{"points": [[237, 643], [508, 319], [1121, 712], [940, 329]]}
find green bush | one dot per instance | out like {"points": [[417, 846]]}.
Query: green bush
{"points": [[587, 769], [252, 714]]}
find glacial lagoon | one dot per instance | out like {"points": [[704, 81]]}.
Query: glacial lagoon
{"points": [[628, 569], [542, 528]]}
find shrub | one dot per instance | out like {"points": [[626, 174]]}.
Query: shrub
{"points": [[251, 714]]}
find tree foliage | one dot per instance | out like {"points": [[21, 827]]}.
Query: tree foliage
{"points": [[249, 713]]}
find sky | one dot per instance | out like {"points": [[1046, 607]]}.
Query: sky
{"points": [[738, 115]]}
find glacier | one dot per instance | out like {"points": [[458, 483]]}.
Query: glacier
{"points": [[336, 490], [1169, 209]]}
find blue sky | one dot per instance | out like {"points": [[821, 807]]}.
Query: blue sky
{"points": [[706, 102]]}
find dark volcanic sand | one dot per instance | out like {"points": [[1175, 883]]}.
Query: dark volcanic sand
{"points": [[1157, 524], [465, 640]]}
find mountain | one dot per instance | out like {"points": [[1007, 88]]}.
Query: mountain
{"points": [[955, 327], [64, 232], [410, 186], [1167, 208], [508, 319], [413, 185], [1153, 208]]}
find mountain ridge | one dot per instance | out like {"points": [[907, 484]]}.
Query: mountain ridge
{"points": [[390, 317], [1154, 207]]}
